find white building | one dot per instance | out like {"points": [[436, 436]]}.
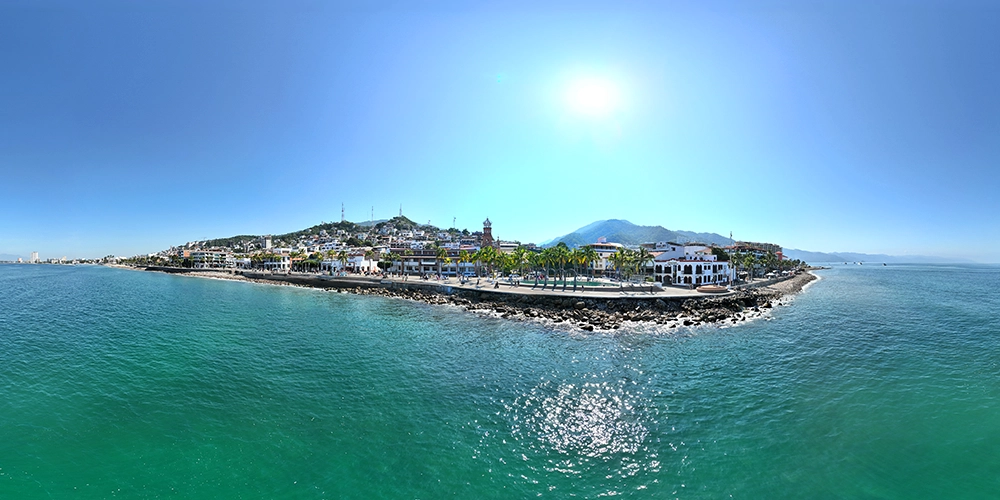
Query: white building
{"points": [[205, 259], [689, 264], [330, 245], [278, 263], [604, 252]]}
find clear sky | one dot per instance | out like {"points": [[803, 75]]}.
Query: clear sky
{"points": [[127, 127]]}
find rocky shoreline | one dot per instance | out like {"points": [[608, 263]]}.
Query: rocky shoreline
{"points": [[607, 314], [589, 314]]}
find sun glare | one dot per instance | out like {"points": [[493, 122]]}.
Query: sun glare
{"points": [[593, 97]]}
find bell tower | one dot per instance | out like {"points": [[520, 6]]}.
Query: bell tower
{"points": [[488, 233]]}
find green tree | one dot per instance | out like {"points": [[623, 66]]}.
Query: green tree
{"points": [[440, 255], [642, 257], [464, 257], [343, 257], [589, 257]]}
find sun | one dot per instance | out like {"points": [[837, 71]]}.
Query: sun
{"points": [[593, 97]]}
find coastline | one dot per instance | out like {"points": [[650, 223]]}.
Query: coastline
{"points": [[589, 311]]}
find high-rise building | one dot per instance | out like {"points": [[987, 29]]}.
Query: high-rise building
{"points": [[34, 257]]}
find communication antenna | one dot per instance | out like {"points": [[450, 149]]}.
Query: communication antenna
{"points": [[453, 221], [400, 209], [341, 212]]}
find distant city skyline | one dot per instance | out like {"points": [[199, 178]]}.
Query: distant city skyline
{"points": [[828, 127]]}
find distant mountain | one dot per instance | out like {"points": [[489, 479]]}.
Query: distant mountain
{"points": [[7, 256], [626, 233], [816, 257]]}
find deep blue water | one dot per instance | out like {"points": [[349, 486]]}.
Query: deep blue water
{"points": [[877, 382]]}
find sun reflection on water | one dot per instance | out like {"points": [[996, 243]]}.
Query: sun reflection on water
{"points": [[589, 419], [585, 426]]}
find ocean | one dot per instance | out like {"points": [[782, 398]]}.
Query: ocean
{"points": [[875, 382]]}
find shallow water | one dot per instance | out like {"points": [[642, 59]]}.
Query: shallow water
{"points": [[878, 382]]}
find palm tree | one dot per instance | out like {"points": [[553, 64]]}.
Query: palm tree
{"points": [[440, 254], [385, 261], [544, 260], [560, 254], [642, 256], [749, 261], [770, 261], [618, 259], [343, 258], [735, 259], [589, 257], [488, 255], [535, 262], [576, 258], [463, 257], [402, 261], [520, 256]]}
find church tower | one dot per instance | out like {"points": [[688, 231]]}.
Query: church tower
{"points": [[488, 233]]}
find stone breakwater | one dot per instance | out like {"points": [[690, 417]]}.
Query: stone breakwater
{"points": [[586, 313], [599, 313]]}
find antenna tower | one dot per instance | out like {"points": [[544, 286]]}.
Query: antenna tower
{"points": [[341, 212]]}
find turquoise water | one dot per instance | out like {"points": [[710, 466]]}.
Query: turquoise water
{"points": [[878, 382]]}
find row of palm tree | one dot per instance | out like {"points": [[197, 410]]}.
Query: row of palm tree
{"points": [[629, 263], [559, 259], [756, 265]]}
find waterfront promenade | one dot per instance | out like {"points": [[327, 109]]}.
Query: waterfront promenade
{"points": [[782, 285], [588, 310]]}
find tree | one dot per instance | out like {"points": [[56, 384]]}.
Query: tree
{"points": [[750, 261], [589, 257], [642, 256], [520, 256], [440, 254], [402, 260], [463, 258], [295, 256], [619, 260], [720, 254], [343, 257], [488, 255], [385, 262]]}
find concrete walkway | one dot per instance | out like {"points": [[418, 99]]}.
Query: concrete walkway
{"points": [[526, 288]]}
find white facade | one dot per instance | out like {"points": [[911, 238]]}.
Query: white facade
{"points": [[280, 263], [694, 272], [205, 259], [683, 251], [604, 252]]}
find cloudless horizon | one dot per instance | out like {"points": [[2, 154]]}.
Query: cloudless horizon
{"points": [[824, 126]]}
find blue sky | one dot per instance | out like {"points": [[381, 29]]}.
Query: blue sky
{"points": [[128, 127]]}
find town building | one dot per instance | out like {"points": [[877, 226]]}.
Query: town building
{"points": [[689, 264], [604, 251]]}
